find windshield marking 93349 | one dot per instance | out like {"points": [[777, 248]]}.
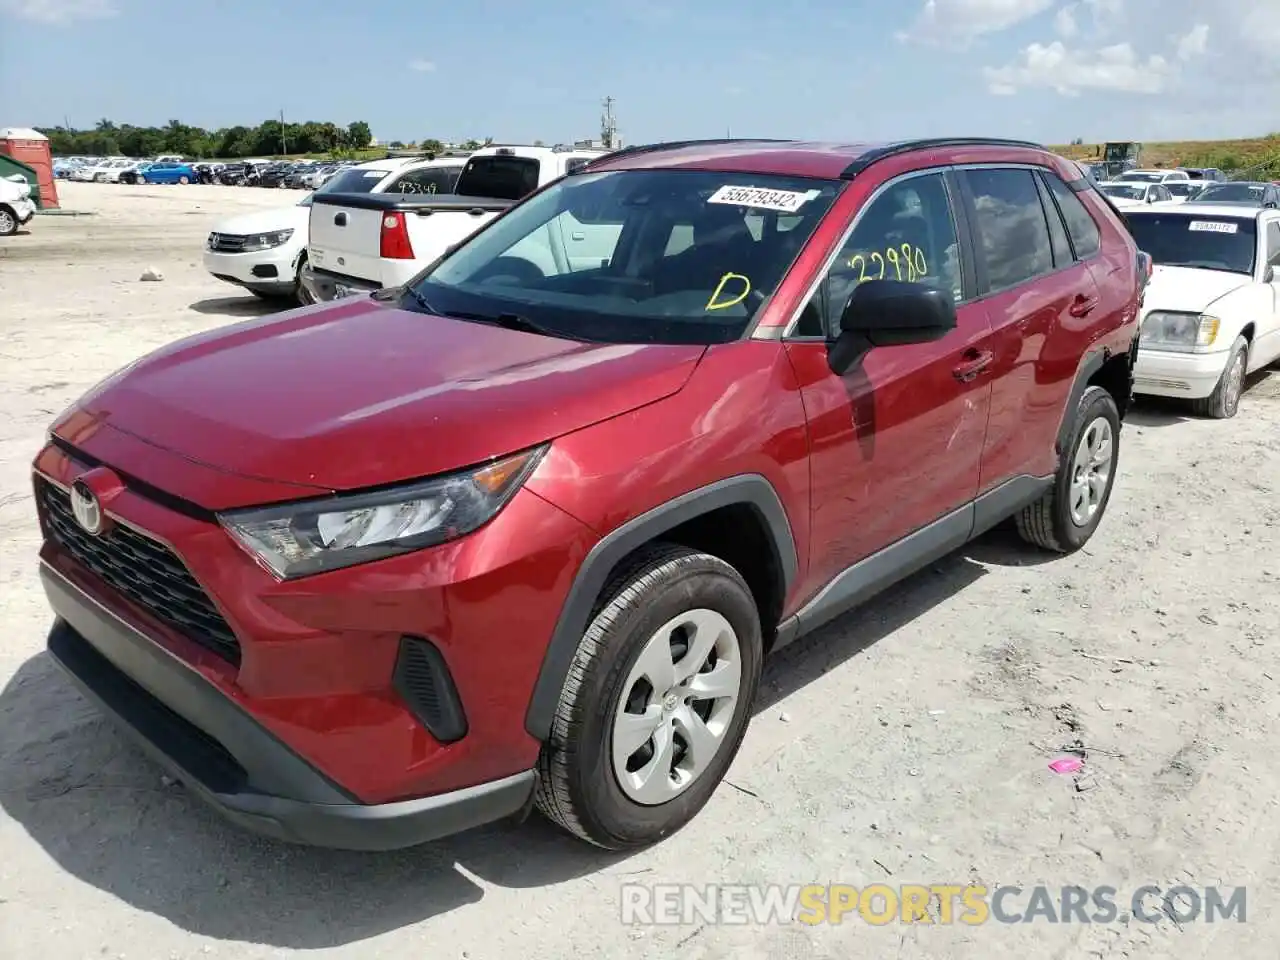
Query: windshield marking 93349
{"points": [[642, 256]]}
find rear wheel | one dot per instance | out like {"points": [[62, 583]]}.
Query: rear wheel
{"points": [[8, 222], [1225, 399], [1067, 515], [184, 179], [656, 702]]}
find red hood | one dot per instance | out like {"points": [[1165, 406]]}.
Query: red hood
{"points": [[359, 394]]}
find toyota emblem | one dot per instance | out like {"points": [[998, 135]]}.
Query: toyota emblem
{"points": [[86, 508]]}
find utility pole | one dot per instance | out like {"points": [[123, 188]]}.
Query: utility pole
{"points": [[609, 126], [284, 141]]}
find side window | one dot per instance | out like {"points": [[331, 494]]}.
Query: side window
{"points": [[1080, 225], [1062, 255], [1273, 242], [577, 163], [1012, 232], [426, 180], [907, 233]]}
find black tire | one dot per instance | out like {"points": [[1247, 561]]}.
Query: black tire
{"points": [[299, 291], [1224, 402], [8, 222], [1048, 523], [577, 788]]}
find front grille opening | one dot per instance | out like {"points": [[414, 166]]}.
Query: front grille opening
{"points": [[145, 571], [423, 681]]}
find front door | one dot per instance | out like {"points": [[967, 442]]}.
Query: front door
{"points": [[896, 442]]}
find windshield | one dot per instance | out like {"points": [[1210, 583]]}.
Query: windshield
{"points": [[644, 256], [1144, 177], [1233, 193], [503, 178], [1189, 240], [354, 180], [1123, 190]]}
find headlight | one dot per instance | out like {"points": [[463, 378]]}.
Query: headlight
{"points": [[1185, 332], [265, 241], [313, 536]]}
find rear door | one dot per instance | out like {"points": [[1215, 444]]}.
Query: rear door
{"points": [[896, 441], [1038, 292], [348, 240]]}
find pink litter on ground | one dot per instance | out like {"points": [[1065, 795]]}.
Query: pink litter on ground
{"points": [[1066, 765]]}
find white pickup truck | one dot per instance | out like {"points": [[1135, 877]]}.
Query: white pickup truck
{"points": [[366, 242]]}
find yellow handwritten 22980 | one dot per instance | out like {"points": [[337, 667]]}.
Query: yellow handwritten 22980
{"points": [[903, 263]]}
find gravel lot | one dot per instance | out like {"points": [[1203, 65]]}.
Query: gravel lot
{"points": [[906, 743]]}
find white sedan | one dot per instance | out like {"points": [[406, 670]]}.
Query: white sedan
{"points": [[1211, 313], [1134, 194], [261, 252]]}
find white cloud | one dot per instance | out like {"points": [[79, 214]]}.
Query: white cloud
{"points": [[422, 66], [1106, 13], [1064, 21], [1068, 71], [59, 11], [955, 22], [1193, 44]]}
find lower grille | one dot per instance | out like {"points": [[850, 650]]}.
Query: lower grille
{"points": [[144, 571]]}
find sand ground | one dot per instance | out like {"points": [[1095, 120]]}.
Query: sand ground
{"points": [[907, 743]]}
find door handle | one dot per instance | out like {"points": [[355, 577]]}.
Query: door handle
{"points": [[1082, 306], [340, 219], [975, 361]]}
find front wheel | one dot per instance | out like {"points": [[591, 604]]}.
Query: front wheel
{"points": [[1225, 399], [1067, 515], [656, 702], [184, 180]]}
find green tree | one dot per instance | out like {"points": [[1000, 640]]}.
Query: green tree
{"points": [[431, 145], [359, 135]]}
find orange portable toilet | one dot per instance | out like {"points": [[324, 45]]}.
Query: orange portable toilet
{"points": [[30, 148]]}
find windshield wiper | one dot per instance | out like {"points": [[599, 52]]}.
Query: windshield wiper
{"points": [[420, 300]]}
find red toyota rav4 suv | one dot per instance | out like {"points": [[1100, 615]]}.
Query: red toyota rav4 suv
{"points": [[520, 532]]}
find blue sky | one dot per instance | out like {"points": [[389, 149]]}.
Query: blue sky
{"points": [[1049, 70]]}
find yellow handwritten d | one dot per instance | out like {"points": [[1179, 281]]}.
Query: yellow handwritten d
{"points": [[715, 303]]}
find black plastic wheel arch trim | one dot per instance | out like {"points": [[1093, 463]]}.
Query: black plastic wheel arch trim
{"points": [[751, 490]]}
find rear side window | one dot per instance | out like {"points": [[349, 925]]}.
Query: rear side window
{"points": [[1013, 235], [1080, 224], [503, 178], [427, 180], [355, 180]]}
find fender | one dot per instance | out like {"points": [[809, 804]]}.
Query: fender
{"points": [[750, 489], [1090, 365]]}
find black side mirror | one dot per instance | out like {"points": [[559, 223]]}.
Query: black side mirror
{"points": [[886, 313]]}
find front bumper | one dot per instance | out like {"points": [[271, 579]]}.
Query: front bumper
{"points": [[229, 760], [322, 285], [270, 271], [1165, 373]]}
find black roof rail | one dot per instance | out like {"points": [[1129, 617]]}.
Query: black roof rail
{"points": [[675, 145], [876, 154]]}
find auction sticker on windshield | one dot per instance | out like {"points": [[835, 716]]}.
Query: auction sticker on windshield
{"points": [[759, 198], [1213, 226]]}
